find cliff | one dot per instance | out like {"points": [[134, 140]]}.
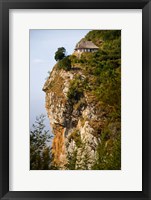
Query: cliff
{"points": [[84, 111]]}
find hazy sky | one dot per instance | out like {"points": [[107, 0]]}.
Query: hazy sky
{"points": [[43, 45]]}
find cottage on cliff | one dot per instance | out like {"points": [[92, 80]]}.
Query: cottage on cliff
{"points": [[86, 46]]}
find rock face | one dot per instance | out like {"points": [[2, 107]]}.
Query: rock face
{"points": [[72, 125]]}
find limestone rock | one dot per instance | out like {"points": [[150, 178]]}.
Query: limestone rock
{"points": [[71, 125]]}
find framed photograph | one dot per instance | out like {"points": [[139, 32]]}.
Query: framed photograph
{"points": [[75, 99]]}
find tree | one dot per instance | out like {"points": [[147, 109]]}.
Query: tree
{"points": [[60, 53], [40, 156], [108, 153], [72, 159]]}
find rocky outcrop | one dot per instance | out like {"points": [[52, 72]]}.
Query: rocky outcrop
{"points": [[72, 125]]}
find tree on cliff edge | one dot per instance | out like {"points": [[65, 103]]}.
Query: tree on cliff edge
{"points": [[60, 53]]}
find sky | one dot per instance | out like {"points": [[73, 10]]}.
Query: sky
{"points": [[43, 45]]}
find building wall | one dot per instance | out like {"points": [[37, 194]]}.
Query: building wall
{"points": [[86, 50]]}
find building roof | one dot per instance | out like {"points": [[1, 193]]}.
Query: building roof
{"points": [[86, 45]]}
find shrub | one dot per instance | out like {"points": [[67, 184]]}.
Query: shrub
{"points": [[74, 59], [75, 90], [65, 63]]}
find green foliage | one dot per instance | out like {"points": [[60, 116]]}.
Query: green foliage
{"points": [[65, 63], [72, 159], [109, 88], [74, 59], [97, 36], [108, 153], [76, 89], [60, 53], [40, 157]]}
